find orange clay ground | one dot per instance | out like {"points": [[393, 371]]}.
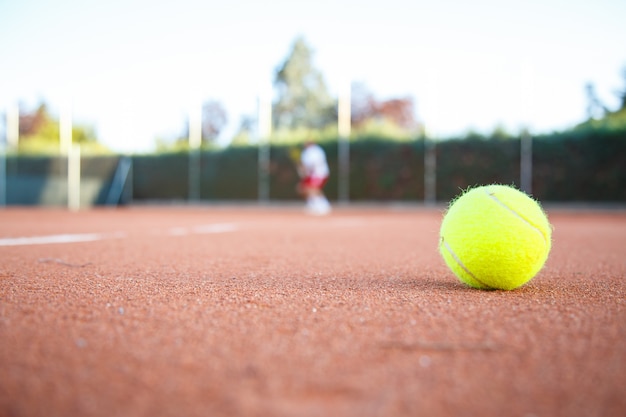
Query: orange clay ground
{"points": [[231, 311]]}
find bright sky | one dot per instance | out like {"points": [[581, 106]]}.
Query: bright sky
{"points": [[134, 68]]}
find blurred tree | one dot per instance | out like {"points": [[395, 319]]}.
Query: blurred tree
{"points": [[600, 117], [472, 134], [246, 131], [303, 98], [500, 133], [31, 122], [622, 94], [595, 108], [40, 131], [399, 112], [363, 104], [214, 118]]}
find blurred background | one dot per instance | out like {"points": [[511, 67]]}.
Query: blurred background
{"points": [[110, 103]]}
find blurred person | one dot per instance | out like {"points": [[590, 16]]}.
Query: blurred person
{"points": [[313, 170]]}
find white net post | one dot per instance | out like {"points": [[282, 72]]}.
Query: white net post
{"points": [[264, 131], [3, 169], [3, 174], [195, 140], [526, 161], [65, 129], [13, 127], [73, 178], [430, 141], [128, 192], [526, 139], [344, 126], [72, 153], [430, 169], [10, 143]]}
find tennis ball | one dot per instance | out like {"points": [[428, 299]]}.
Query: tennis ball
{"points": [[495, 237]]}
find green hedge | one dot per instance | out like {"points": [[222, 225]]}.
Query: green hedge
{"points": [[581, 166], [574, 166], [42, 180], [585, 165]]}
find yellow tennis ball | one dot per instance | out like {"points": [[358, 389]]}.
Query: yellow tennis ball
{"points": [[495, 237]]}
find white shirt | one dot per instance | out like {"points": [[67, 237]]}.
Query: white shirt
{"points": [[313, 161]]}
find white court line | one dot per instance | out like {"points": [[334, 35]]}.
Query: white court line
{"points": [[203, 229], [52, 239], [91, 237], [177, 231]]}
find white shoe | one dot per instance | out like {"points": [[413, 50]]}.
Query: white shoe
{"points": [[318, 206], [318, 212]]}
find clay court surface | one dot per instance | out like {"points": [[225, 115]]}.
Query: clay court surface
{"points": [[264, 311]]}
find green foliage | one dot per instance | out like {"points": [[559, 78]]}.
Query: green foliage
{"points": [[384, 129], [40, 134], [180, 145], [242, 138], [300, 135], [43, 145], [303, 98], [600, 117], [612, 121], [499, 133]]}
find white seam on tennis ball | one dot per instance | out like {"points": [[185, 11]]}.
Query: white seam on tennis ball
{"points": [[501, 203], [458, 261]]}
